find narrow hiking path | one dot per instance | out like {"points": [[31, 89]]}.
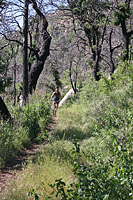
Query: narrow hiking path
{"points": [[15, 165]]}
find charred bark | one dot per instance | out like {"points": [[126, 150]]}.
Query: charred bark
{"points": [[95, 45], [74, 85], [96, 73], [111, 54], [126, 36], [38, 64], [41, 53], [113, 67], [25, 52], [45, 40], [4, 113]]}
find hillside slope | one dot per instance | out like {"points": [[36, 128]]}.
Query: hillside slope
{"points": [[88, 156]]}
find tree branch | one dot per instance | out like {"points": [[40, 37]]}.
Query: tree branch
{"points": [[34, 4], [18, 42], [4, 46]]}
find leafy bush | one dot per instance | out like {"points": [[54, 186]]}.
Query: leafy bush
{"points": [[106, 111], [102, 180], [29, 122], [100, 123]]}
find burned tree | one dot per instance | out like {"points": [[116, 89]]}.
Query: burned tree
{"points": [[41, 52], [4, 113], [122, 14], [42, 55], [93, 17], [25, 51], [112, 49]]}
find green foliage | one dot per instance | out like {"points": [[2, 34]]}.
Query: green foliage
{"points": [[122, 13], [12, 139], [111, 180], [30, 123], [94, 140], [35, 118], [2, 4], [4, 80], [49, 165], [56, 76], [33, 193], [97, 177]]}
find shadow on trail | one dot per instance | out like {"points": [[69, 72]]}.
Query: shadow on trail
{"points": [[72, 133], [57, 151], [16, 163]]}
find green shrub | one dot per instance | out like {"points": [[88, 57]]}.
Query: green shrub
{"points": [[29, 121], [100, 180]]}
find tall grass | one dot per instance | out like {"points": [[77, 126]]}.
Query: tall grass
{"points": [[99, 124], [52, 163], [29, 122]]}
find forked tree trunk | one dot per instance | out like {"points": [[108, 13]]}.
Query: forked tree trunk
{"points": [[112, 49], [38, 64], [45, 39]]}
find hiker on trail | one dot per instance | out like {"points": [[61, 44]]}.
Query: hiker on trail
{"points": [[56, 96]]}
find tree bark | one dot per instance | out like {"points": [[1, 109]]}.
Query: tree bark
{"points": [[111, 54], [126, 34], [4, 113], [126, 40], [112, 49], [14, 81], [25, 52], [41, 56], [95, 49], [45, 39], [96, 74], [71, 81]]}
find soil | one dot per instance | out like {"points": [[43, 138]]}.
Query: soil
{"points": [[15, 165]]}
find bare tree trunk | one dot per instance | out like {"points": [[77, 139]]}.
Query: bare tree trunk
{"points": [[30, 53], [25, 52], [70, 76], [96, 74], [45, 39], [30, 79], [126, 34], [14, 81], [38, 64], [94, 42], [111, 53], [4, 113], [126, 40]]}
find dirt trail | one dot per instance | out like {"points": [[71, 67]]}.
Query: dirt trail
{"points": [[14, 167]]}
